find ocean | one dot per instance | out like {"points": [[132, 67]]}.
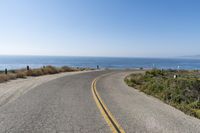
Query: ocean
{"points": [[18, 62]]}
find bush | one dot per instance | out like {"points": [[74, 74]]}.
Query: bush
{"points": [[35, 72], [155, 72], [3, 78], [23, 73], [67, 69], [197, 113], [12, 76], [49, 70], [182, 92], [20, 75]]}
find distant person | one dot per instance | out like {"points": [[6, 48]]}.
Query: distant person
{"points": [[97, 66]]}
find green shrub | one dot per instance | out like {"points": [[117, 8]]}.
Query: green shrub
{"points": [[155, 72], [197, 113], [182, 92], [195, 105]]}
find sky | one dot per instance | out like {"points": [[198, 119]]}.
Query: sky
{"points": [[113, 28]]}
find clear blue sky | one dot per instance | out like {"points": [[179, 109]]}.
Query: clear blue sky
{"points": [[127, 28]]}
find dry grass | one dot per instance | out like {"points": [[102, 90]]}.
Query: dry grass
{"points": [[3, 78], [14, 74]]}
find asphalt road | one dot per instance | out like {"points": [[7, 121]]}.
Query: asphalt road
{"points": [[67, 105], [138, 113], [59, 106]]}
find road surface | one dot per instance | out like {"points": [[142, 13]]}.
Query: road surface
{"points": [[67, 104], [138, 113]]}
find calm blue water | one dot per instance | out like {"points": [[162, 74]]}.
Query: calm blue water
{"points": [[16, 62]]}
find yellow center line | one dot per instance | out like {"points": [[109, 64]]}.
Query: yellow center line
{"points": [[109, 118]]}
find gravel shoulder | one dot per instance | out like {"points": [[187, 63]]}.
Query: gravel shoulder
{"points": [[138, 112]]}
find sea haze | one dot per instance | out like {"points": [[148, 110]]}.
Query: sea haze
{"points": [[18, 62]]}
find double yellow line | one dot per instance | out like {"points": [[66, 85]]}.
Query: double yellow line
{"points": [[109, 118]]}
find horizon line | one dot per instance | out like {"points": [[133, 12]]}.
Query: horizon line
{"points": [[91, 56]]}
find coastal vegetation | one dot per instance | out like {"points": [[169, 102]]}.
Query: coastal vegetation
{"points": [[23, 73], [178, 88]]}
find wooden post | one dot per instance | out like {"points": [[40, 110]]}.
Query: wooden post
{"points": [[6, 71], [28, 68]]}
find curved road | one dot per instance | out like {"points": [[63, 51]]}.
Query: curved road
{"points": [[67, 105]]}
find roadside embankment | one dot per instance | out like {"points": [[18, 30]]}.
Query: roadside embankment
{"points": [[24, 73], [181, 89]]}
